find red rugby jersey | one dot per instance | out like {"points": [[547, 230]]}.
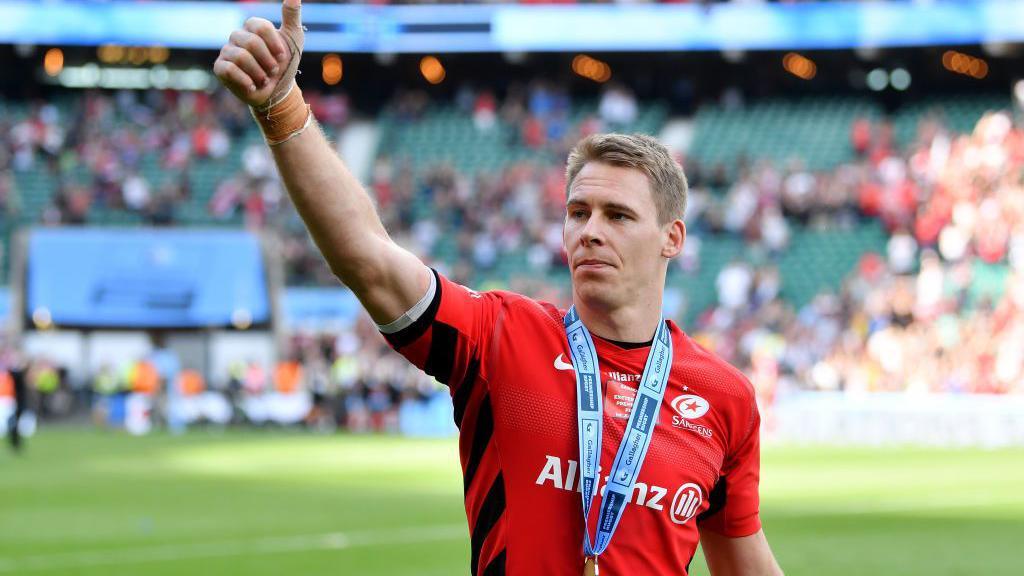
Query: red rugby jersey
{"points": [[507, 365]]}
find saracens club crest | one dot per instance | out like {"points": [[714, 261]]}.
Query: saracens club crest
{"points": [[689, 407]]}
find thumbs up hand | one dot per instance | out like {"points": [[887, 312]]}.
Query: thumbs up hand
{"points": [[259, 62]]}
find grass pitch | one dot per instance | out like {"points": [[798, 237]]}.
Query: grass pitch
{"points": [[254, 503]]}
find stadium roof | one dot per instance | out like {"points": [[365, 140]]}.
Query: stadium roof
{"points": [[527, 28]]}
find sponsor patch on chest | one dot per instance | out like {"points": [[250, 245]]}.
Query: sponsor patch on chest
{"points": [[621, 394]]}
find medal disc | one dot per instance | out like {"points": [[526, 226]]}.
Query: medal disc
{"points": [[590, 566]]}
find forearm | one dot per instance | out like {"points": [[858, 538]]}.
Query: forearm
{"points": [[343, 222], [337, 211]]}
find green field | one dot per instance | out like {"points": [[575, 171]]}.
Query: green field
{"points": [[93, 503]]}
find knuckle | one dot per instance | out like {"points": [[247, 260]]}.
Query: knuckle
{"points": [[255, 23], [225, 76], [251, 41], [253, 69], [255, 45]]}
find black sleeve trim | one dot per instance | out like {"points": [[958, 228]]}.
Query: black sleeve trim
{"points": [[481, 440], [407, 335], [441, 357], [460, 399], [716, 500]]}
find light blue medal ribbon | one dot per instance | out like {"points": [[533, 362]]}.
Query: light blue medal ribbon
{"points": [[639, 430]]}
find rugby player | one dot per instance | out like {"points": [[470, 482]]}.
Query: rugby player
{"points": [[601, 438]]}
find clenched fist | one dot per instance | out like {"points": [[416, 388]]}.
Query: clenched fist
{"points": [[259, 62]]}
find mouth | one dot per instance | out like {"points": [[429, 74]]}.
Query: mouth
{"points": [[591, 264]]}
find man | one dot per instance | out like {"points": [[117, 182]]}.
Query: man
{"points": [[167, 364], [688, 461], [17, 368]]}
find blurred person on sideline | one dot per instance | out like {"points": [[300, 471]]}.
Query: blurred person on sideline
{"points": [[105, 388], [17, 369], [675, 428], [167, 364]]}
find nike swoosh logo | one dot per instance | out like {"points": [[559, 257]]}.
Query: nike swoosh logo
{"points": [[562, 364]]}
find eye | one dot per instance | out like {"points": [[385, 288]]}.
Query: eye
{"points": [[619, 216], [577, 214]]}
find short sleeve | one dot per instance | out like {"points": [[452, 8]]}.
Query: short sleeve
{"points": [[449, 340], [734, 500]]}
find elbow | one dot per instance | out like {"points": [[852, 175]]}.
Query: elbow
{"points": [[359, 261]]}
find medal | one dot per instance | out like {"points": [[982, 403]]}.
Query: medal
{"points": [[589, 415]]}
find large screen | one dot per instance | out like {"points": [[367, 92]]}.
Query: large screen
{"points": [[146, 278]]}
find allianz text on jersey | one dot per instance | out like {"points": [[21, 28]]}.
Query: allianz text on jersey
{"points": [[686, 500]]}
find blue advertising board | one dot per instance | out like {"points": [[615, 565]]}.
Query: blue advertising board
{"points": [[146, 278]]}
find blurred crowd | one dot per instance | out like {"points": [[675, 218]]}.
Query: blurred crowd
{"points": [[94, 151], [942, 310], [949, 288]]}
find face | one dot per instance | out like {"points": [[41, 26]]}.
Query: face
{"points": [[617, 249]]}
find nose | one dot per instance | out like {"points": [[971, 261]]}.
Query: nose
{"points": [[591, 234]]}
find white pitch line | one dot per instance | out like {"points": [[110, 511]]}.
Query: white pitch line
{"points": [[227, 548]]}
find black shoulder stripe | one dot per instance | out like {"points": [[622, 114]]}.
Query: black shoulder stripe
{"points": [[461, 397], [481, 438], [716, 500], [441, 357], [407, 335], [492, 509], [497, 566]]}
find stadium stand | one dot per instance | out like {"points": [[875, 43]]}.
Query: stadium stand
{"points": [[820, 228]]}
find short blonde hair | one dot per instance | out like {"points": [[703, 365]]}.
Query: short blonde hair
{"points": [[639, 151]]}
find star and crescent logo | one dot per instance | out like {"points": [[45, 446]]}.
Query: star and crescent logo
{"points": [[690, 406]]}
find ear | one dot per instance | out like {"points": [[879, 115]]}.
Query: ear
{"points": [[675, 237]]}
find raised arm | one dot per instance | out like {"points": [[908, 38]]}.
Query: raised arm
{"points": [[258, 65]]}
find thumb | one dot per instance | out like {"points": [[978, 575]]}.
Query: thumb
{"points": [[291, 15]]}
